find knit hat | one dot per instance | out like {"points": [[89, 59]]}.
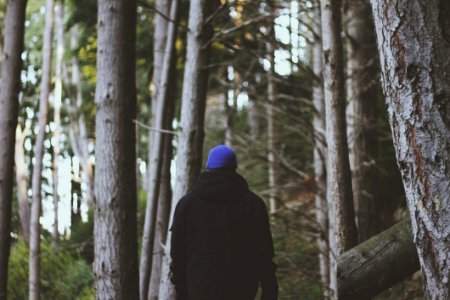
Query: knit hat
{"points": [[221, 156]]}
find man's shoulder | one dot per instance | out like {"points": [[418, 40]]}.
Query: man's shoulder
{"points": [[256, 200], [186, 200]]}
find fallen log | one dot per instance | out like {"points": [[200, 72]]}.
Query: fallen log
{"points": [[378, 263]]}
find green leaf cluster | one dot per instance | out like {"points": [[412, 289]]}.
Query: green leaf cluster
{"points": [[63, 276]]}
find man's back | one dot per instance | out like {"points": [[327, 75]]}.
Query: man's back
{"points": [[221, 242]]}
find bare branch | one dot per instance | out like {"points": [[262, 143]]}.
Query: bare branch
{"points": [[155, 129]]}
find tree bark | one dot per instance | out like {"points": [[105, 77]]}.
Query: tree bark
{"points": [[115, 228], [253, 117], [271, 126], [229, 110], [35, 228], [159, 46], [21, 179], [156, 151], [164, 204], [59, 33], [190, 139], [9, 106], [378, 263], [343, 233], [414, 45], [78, 134], [362, 96], [320, 155]]}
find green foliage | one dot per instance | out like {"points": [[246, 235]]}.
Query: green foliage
{"points": [[83, 11], [62, 276], [296, 256], [81, 242]]}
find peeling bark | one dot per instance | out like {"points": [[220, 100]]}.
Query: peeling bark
{"points": [[414, 46], [9, 106]]}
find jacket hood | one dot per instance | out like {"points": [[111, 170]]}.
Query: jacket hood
{"points": [[219, 186]]}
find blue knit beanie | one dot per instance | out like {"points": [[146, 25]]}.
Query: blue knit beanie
{"points": [[221, 157]]}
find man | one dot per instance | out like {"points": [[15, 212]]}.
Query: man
{"points": [[222, 246]]}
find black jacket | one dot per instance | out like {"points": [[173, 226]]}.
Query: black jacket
{"points": [[221, 245]]}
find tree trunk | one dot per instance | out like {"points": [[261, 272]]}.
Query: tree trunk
{"points": [[271, 126], [413, 43], [378, 263], [78, 132], [190, 139], [59, 33], [35, 227], [362, 96], [344, 234], [230, 93], [75, 189], [159, 46], [228, 111], [320, 155], [115, 228], [9, 106], [156, 151], [21, 179], [164, 203], [253, 117]]}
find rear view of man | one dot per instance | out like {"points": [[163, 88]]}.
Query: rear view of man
{"points": [[222, 246]]}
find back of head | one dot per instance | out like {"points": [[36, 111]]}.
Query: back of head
{"points": [[221, 157]]}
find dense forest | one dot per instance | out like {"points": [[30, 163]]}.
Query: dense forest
{"points": [[339, 112]]}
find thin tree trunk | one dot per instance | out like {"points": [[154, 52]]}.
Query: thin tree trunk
{"points": [[59, 33], [21, 179], [159, 46], [253, 117], [78, 132], [156, 154], [413, 43], [115, 228], [229, 110], [164, 202], [75, 215], [339, 185], [320, 155], [165, 193], [362, 96], [228, 120], [190, 142], [9, 106], [35, 228], [271, 127]]}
